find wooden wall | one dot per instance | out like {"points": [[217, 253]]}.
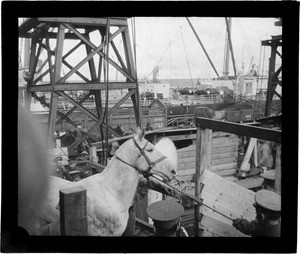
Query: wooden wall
{"points": [[224, 154], [225, 197]]}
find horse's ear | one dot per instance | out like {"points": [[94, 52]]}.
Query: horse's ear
{"points": [[140, 133]]}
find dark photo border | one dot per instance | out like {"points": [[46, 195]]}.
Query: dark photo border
{"points": [[287, 10]]}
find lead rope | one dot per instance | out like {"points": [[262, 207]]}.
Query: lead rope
{"points": [[196, 199]]}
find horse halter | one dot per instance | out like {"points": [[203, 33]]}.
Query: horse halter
{"points": [[142, 153]]}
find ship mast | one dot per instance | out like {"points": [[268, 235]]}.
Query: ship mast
{"points": [[230, 48], [226, 53]]}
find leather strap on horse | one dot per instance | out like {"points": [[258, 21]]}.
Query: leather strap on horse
{"points": [[150, 163], [142, 153]]}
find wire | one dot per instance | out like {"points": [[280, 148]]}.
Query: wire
{"points": [[163, 55], [106, 79], [187, 60], [196, 199]]}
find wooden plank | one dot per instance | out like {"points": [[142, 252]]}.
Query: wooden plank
{"points": [[254, 154], [191, 150], [187, 175], [188, 165], [217, 150], [225, 141], [187, 160], [248, 154], [218, 182], [186, 154], [96, 50], [82, 86], [182, 137], [85, 21], [203, 157], [223, 166], [232, 154], [93, 154], [188, 148], [215, 212], [217, 134], [223, 161], [56, 77], [228, 203], [220, 228], [73, 211], [240, 129]]}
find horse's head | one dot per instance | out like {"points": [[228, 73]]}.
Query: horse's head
{"points": [[145, 158]]}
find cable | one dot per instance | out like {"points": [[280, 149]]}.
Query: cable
{"points": [[158, 62], [187, 60], [106, 80], [196, 199]]}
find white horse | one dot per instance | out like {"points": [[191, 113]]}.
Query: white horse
{"points": [[168, 149], [110, 193]]}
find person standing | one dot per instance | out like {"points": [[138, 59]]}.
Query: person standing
{"points": [[265, 158], [268, 216]]}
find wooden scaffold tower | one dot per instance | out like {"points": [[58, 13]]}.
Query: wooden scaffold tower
{"points": [[91, 68]]}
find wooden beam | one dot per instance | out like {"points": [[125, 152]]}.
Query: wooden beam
{"points": [[73, 108], [64, 61], [97, 50], [85, 21], [59, 113], [78, 105], [118, 55], [203, 157], [82, 86], [120, 102], [73, 211], [31, 70], [240, 129], [51, 35], [132, 69], [26, 26], [56, 76], [247, 156], [91, 62]]}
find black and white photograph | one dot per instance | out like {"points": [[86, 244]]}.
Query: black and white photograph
{"points": [[147, 127]]}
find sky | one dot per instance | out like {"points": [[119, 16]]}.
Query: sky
{"points": [[170, 44]]}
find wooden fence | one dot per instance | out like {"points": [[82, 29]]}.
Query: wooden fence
{"points": [[223, 196]]}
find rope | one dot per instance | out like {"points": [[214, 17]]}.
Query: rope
{"points": [[106, 79], [187, 60], [198, 200], [158, 62]]}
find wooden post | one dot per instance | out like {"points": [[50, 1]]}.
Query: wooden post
{"points": [[73, 211], [93, 154], [278, 170], [255, 154], [248, 153], [56, 76], [203, 158]]}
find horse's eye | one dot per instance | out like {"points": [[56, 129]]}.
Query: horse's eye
{"points": [[150, 150]]}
